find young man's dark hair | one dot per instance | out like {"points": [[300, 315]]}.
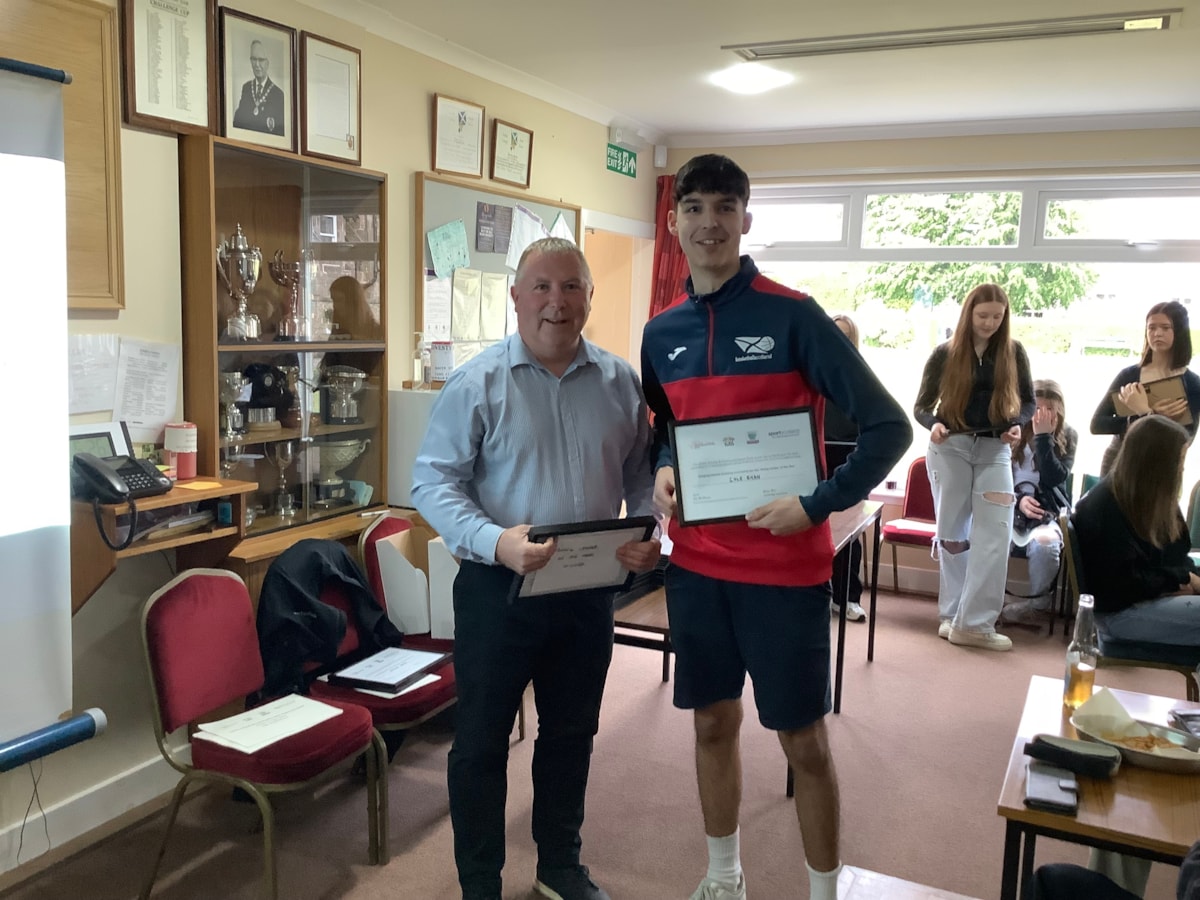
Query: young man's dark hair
{"points": [[712, 174]]}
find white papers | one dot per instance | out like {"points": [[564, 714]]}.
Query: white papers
{"points": [[436, 320], [147, 388], [526, 228], [405, 588], [583, 561], [270, 723], [464, 324], [560, 229], [92, 373], [390, 666], [493, 306]]}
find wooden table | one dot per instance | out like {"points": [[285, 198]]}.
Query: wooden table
{"points": [[846, 526], [1139, 812], [646, 615]]}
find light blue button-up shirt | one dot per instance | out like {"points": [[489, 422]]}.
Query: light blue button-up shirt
{"points": [[510, 443]]}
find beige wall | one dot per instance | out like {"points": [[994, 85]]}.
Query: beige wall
{"points": [[89, 785], [1174, 150]]}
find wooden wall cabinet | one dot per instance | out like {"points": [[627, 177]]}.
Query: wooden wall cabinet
{"points": [[315, 447]]}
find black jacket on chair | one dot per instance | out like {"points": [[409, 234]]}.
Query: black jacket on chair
{"points": [[295, 626]]}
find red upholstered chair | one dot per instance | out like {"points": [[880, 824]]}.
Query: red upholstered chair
{"points": [[385, 526], [202, 655], [917, 525], [389, 715]]}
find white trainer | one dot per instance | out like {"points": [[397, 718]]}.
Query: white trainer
{"points": [[944, 630], [720, 890], [854, 611], [988, 640]]}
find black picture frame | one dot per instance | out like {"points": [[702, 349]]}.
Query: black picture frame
{"points": [[330, 94], [641, 527], [265, 116]]}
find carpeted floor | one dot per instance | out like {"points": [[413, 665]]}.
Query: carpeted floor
{"points": [[921, 745]]}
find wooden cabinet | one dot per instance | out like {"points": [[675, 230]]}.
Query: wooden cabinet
{"points": [[289, 391]]}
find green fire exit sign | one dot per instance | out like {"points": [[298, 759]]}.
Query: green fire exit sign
{"points": [[622, 161]]}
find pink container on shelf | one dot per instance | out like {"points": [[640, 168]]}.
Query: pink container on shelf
{"points": [[179, 442]]}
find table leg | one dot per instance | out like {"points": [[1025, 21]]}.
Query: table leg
{"points": [[1012, 861], [1027, 857], [874, 592], [841, 640], [666, 658]]}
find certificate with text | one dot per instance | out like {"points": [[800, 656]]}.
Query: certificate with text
{"points": [[727, 466], [585, 557]]}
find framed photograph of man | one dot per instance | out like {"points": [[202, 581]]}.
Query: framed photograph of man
{"points": [[258, 80]]}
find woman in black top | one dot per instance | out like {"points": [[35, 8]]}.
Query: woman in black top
{"points": [[1134, 545], [975, 396]]}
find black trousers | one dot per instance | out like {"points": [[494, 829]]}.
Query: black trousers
{"points": [[563, 644], [1065, 881]]}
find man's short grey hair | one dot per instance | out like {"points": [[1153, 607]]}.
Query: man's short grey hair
{"points": [[551, 245]]}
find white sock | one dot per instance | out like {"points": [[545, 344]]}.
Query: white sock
{"points": [[822, 885], [724, 858]]}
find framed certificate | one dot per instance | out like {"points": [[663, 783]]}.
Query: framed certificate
{"points": [[457, 136], [330, 99], [169, 64], [512, 150], [727, 466], [586, 557]]}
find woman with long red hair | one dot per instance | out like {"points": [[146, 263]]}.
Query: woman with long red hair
{"points": [[976, 394]]}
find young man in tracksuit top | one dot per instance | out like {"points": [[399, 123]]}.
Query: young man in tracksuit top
{"points": [[753, 596]]}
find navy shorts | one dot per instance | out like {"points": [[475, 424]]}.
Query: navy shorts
{"points": [[721, 630]]}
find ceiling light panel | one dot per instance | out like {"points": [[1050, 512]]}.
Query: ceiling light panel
{"points": [[1142, 20]]}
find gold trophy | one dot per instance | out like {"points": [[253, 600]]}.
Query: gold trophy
{"points": [[239, 265]]}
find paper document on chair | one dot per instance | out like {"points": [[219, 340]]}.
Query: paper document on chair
{"points": [[391, 669], [392, 695], [405, 588], [264, 725]]}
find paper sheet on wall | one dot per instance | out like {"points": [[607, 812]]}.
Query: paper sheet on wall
{"points": [[448, 247], [464, 324], [92, 371], [465, 350], [147, 388], [560, 229], [437, 310], [526, 228], [493, 306]]}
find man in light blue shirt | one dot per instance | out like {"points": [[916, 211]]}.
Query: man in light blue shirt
{"points": [[542, 428]]}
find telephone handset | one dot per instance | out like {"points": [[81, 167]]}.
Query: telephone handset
{"points": [[119, 478]]}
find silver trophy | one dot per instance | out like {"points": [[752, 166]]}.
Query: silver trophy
{"points": [[238, 265], [233, 424], [331, 488], [289, 276], [342, 383], [285, 503]]}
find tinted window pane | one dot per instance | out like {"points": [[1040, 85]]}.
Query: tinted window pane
{"points": [[968, 219], [1124, 219], [793, 223]]}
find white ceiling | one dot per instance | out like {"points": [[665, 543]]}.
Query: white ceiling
{"points": [[644, 64]]}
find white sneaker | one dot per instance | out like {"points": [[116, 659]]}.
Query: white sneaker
{"points": [[854, 612], [1025, 613], [944, 630], [989, 640], [720, 890]]}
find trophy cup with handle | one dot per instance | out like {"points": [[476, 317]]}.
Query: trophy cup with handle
{"points": [[285, 503], [289, 276], [238, 265]]}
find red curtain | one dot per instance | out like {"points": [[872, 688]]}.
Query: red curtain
{"points": [[670, 265]]}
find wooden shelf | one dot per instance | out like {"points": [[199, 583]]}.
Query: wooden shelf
{"points": [[93, 561], [273, 348]]}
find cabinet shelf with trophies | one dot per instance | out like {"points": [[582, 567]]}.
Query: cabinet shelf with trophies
{"points": [[285, 362]]}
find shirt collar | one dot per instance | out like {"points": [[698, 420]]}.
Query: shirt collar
{"points": [[519, 355]]}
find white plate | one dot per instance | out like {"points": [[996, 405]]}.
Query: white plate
{"points": [[1145, 760]]}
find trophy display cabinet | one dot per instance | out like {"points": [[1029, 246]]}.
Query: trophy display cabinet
{"points": [[284, 325]]}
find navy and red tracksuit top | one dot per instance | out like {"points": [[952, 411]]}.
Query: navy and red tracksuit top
{"points": [[757, 346]]}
